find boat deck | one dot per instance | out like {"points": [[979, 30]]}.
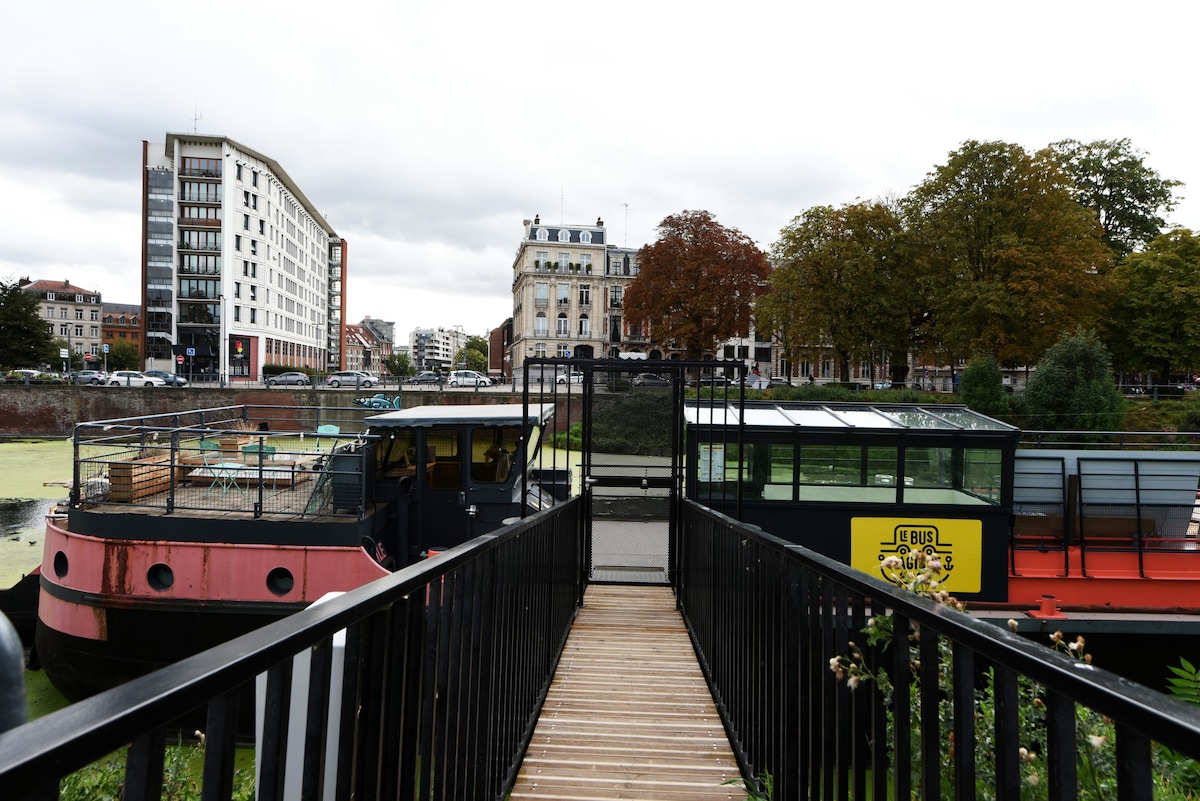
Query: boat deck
{"points": [[628, 714]]}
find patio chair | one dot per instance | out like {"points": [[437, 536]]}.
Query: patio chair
{"points": [[328, 430], [224, 474]]}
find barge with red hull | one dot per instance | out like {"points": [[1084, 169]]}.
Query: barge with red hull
{"points": [[187, 530]]}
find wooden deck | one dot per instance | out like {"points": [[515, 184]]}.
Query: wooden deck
{"points": [[628, 715]]}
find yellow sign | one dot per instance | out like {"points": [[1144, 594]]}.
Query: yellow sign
{"points": [[957, 544]]}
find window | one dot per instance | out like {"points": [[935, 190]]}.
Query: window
{"points": [[49, 311], [541, 294], [564, 351], [585, 326], [585, 295], [539, 325], [564, 294], [615, 297], [79, 314], [237, 242], [254, 178], [562, 330], [543, 235], [539, 350], [492, 453], [253, 292], [64, 312], [239, 172], [237, 314], [564, 235], [585, 262], [563, 260], [585, 238], [245, 222], [246, 197], [253, 247], [542, 257], [262, 227], [253, 316], [237, 289]]}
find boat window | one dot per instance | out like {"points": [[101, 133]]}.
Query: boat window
{"points": [[779, 481], [982, 473], [831, 464], [441, 455], [397, 452], [493, 450]]}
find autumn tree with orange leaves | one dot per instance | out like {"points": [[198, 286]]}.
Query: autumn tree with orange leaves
{"points": [[696, 284]]}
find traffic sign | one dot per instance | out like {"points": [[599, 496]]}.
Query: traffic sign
{"points": [[87, 357], [106, 347], [179, 359], [63, 353], [191, 351]]}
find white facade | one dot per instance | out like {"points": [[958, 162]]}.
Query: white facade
{"points": [[240, 268], [435, 348]]}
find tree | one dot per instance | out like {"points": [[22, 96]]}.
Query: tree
{"points": [[122, 355], [1009, 260], [1073, 388], [1128, 197], [25, 341], [696, 283], [398, 364], [1155, 320], [982, 387], [474, 355], [837, 284]]}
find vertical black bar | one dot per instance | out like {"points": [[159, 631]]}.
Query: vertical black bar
{"points": [[220, 746], [902, 709], [316, 728], [1134, 768], [144, 767], [349, 739], [931, 734], [275, 727], [964, 721], [1060, 743], [1008, 763]]}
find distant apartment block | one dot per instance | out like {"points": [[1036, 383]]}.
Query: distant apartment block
{"points": [[72, 313], [435, 348]]}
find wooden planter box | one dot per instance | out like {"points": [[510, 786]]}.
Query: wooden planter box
{"points": [[129, 481], [234, 444]]}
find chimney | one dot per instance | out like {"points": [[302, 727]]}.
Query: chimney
{"points": [[599, 223], [537, 219], [24, 281]]}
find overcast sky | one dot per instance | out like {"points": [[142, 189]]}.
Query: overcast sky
{"points": [[426, 132]]}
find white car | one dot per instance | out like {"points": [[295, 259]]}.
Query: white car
{"points": [[575, 377], [132, 378], [468, 378], [352, 378]]}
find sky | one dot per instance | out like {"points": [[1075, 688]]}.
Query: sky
{"points": [[425, 133]]}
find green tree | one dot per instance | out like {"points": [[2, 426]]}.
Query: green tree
{"points": [[838, 283], [474, 355], [1112, 179], [1155, 320], [982, 387], [1073, 388], [1009, 260], [398, 364], [122, 355], [696, 284], [25, 341]]}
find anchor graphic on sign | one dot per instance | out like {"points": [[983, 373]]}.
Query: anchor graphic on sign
{"points": [[909, 540]]}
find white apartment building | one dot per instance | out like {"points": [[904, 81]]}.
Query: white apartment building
{"points": [[435, 348], [72, 313], [568, 295], [239, 269]]}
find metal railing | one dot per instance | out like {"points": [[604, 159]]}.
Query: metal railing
{"points": [[767, 617], [446, 664]]}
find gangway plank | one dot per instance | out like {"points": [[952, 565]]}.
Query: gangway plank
{"points": [[628, 714]]}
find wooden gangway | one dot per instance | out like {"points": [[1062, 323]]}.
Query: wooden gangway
{"points": [[628, 714]]}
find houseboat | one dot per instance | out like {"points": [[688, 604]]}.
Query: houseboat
{"points": [[1088, 539], [186, 530]]}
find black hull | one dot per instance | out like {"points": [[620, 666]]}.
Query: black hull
{"points": [[19, 604], [80, 667]]}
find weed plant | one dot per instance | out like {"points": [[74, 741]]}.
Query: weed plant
{"points": [[1175, 776]]}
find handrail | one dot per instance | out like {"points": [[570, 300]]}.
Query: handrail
{"points": [[471, 636], [766, 617]]}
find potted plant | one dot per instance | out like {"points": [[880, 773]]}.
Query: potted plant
{"points": [[234, 439]]}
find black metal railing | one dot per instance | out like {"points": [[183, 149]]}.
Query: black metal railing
{"points": [[446, 664], [767, 618]]}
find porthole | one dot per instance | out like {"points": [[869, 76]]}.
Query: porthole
{"points": [[160, 577], [60, 564], [280, 581]]}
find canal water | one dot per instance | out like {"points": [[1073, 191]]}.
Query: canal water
{"points": [[34, 474]]}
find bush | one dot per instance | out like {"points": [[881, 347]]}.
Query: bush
{"points": [[1073, 388], [982, 387]]}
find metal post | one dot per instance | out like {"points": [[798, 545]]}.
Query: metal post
{"points": [[12, 677]]}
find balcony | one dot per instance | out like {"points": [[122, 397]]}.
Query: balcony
{"points": [[198, 222], [206, 247], [614, 304], [541, 303]]}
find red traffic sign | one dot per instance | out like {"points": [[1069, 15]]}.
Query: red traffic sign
{"points": [[87, 357], [179, 359]]}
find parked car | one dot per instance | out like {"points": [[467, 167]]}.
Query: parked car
{"points": [[352, 378], [650, 380], [575, 377], [293, 377], [132, 378], [93, 377], [468, 378], [426, 377], [170, 379], [883, 385], [710, 381], [776, 381]]}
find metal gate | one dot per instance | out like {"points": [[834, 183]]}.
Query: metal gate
{"points": [[625, 440]]}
